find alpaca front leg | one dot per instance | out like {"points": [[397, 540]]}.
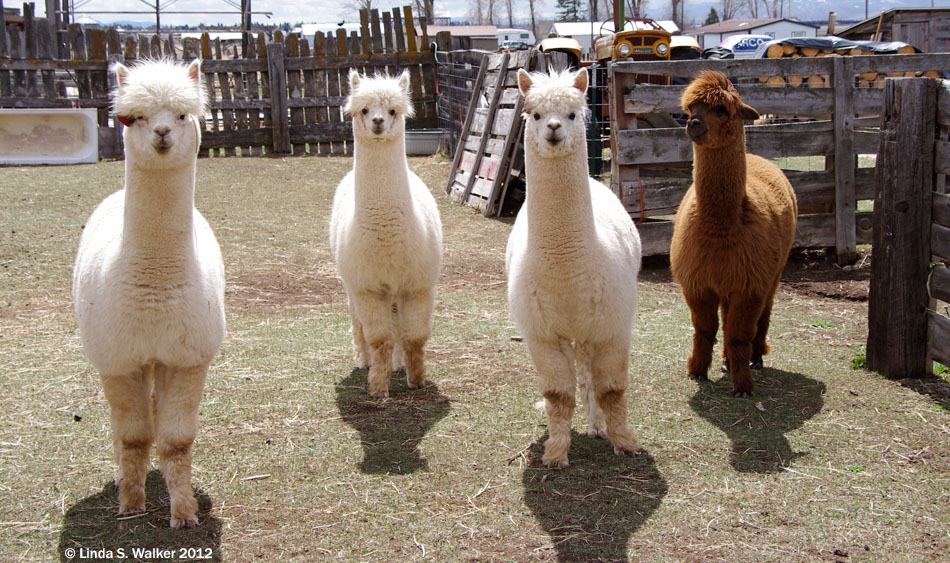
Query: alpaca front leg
{"points": [[130, 409], [609, 377], [414, 328], [596, 423], [738, 334], [177, 395], [702, 309], [555, 364], [375, 312]]}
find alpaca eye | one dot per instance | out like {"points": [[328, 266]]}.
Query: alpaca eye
{"points": [[140, 118], [365, 111], [392, 112], [181, 117], [537, 116], [572, 116], [720, 109]]}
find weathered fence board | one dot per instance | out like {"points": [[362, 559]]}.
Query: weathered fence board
{"points": [[898, 301], [940, 283]]}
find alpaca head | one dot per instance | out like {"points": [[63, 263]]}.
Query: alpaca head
{"points": [[554, 110], [379, 106], [159, 103], [716, 112]]}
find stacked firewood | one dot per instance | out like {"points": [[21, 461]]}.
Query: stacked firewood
{"points": [[864, 80]]}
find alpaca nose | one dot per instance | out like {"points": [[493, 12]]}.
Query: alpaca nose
{"points": [[554, 125], [378, 120], [162, 130]]}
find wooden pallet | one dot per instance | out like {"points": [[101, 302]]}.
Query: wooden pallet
{"points": [[489, 153]]}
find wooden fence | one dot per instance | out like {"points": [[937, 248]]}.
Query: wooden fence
{"points": [[908, 326], [284, 95], [650, 167]]}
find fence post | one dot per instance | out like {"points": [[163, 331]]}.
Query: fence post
{"points": [[845, 233], [278, 97], [897, 305]]}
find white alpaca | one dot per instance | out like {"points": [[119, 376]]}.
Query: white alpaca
{"points": [[386, 236], [572, 260], [148, 285]]}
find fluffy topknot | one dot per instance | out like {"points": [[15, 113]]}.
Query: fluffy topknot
{"points": [[712, 88], [554, 92], [151, 85], [382, 89]]}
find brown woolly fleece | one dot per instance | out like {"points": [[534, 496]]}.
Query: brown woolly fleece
{"points": [[733, 232]]}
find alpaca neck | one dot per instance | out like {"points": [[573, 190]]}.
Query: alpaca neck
{"points": [[381, 172], [557, 201], [159, 208], [719, 177]]}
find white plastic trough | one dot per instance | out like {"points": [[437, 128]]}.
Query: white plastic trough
{"points": [[48, 136]]}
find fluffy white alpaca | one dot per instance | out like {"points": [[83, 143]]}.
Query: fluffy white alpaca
{"points": [[148, 285], [386, 235], [572, 260]]}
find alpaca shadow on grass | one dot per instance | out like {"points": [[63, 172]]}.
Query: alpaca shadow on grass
{"points": [[391, 429], [92, 531], [591, 508], [782, 401]]}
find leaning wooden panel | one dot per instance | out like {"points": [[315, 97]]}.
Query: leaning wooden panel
{"points": [[939, 337], [940, 241]]}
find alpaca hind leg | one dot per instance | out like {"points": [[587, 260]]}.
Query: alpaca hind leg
{"points": [[596, 423], [130, 409], [415, 326], [178, 393], [375, 312], [759, 346], [702, 309], [738, 334], [363, 355], [609, 374], [554, 361]]}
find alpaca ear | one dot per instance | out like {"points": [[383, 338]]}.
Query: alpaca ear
{"points": [[121, 74], [354, 79], [580, 80], [747, 113], [194, 70], [524, 81], [404, 80]]}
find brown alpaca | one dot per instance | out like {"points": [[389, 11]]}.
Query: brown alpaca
{"points": [[733, 232]]}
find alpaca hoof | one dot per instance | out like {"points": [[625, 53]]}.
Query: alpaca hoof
{"points": [[597, 433], [627, 451], [400, 369], [725, 367], [556, 463], [189, 522], [698, 376], [383, 394], [741, 394], [756, 364]]}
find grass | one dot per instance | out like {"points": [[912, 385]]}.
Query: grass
{"points": [[294, 461]]}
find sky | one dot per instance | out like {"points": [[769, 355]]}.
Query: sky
{"points": [[323, 11]]}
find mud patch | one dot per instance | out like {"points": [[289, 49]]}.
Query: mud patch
{"points": [[267, 291]]}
